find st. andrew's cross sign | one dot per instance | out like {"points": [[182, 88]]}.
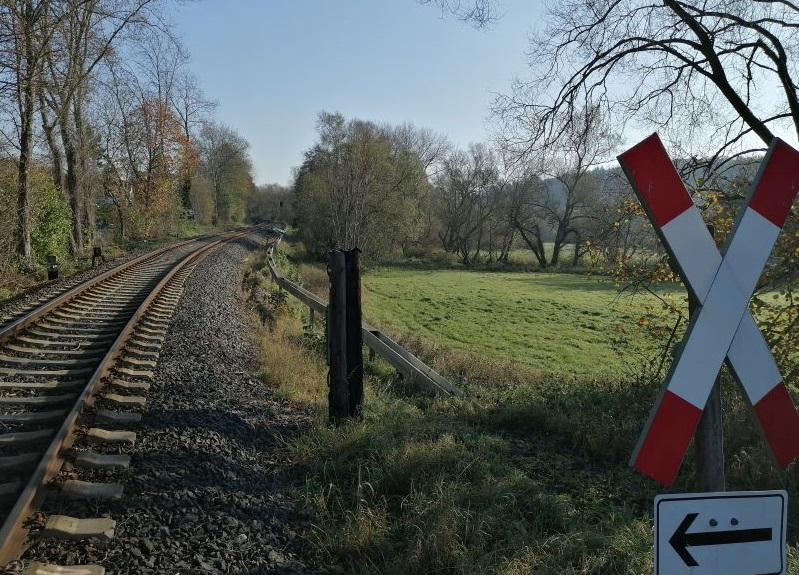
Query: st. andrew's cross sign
{"points": [[722, 284]]}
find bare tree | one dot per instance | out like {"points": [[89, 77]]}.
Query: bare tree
{"points": [[480, 12], [685, 64], [466, 200], [560, 209], [193, 109], [27, 29], [48, 52]]}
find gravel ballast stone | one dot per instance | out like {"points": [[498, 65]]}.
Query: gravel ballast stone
{"points": [[208, 486]]}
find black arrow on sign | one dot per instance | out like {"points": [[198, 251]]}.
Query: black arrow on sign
{"points": [[681, 539]]}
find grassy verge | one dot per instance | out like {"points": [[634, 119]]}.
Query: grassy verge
{"points": [[525, 475]]}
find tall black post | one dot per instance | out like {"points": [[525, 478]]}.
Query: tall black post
{"points": [[354, 351], [338, 395]]}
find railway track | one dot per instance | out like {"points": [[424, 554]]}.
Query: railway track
{"points": [[72, 373]]}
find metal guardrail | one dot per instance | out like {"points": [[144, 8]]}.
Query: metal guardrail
{"points": [[407, 364]]}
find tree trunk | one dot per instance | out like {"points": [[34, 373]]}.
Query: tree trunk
{"points": [[577, 253], [25, 148], [73, 190], [82, 166], [536, 246]]}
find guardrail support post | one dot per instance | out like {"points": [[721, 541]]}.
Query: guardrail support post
{"points": [[344, 338], [338, 394], [354, 350]]}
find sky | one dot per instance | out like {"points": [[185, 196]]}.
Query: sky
{"points": [[273, 65]]}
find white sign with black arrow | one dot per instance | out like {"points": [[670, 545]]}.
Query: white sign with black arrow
{"points": [[735, 533]]}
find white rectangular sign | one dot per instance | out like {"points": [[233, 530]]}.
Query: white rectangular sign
{"points": [[735, 533]]}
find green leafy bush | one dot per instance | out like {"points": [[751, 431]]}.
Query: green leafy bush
{"points": [[51, 223]]}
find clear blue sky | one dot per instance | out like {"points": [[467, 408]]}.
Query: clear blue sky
{"points": [[273, 65]]}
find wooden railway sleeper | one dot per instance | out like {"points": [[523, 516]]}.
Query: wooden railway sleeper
{"points": [[82, 351], [41, 330], [129, 385], [34, 361], [42, 385], [38, 400], [72, 373], [108, 417]]}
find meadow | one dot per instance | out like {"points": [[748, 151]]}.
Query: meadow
{"points": [[552, 323], [528, 472]]}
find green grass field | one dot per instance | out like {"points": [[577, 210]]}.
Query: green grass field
{"points": [[525, 474], [554, 323]]}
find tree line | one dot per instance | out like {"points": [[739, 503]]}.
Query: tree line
{"points": [[106, 132], [403, 190], [696, 72]]}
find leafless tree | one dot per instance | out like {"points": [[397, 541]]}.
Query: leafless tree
{"points": [[193, 109], [467, 187], [561, 208], [49, 50], [723, 70], [479, 12]]}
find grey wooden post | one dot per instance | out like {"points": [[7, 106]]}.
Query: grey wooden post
{"points": [[709, 437]]}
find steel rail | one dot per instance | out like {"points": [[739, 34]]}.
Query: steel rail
{"points": [[21, 323], [13, 532]]}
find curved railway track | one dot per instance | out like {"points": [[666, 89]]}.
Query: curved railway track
{"points": [[71, 375]]}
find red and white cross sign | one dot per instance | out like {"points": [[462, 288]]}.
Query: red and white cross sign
{"points": [[722, 284]]}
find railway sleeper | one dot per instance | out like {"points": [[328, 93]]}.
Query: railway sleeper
{"points": [[129, 385], [10, 490], [97, 308], [76, 489], [42, 385], [134, 373], [38, 400], [153, 325], [105, 436], [93, 460], [33, 361], [150, 335], [18, 438], [10, 463], [73, 342], [144, 340], [83, 352], [32, 417], [74, 529], [82, 321], [38, 568], [138, 400], [136, 362], [61, 333], [107, 417], [142, 355], [105, 303], [97, 330], [13, 372]]}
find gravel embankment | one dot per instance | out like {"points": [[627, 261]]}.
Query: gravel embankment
{"points": [[207, 491]]}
